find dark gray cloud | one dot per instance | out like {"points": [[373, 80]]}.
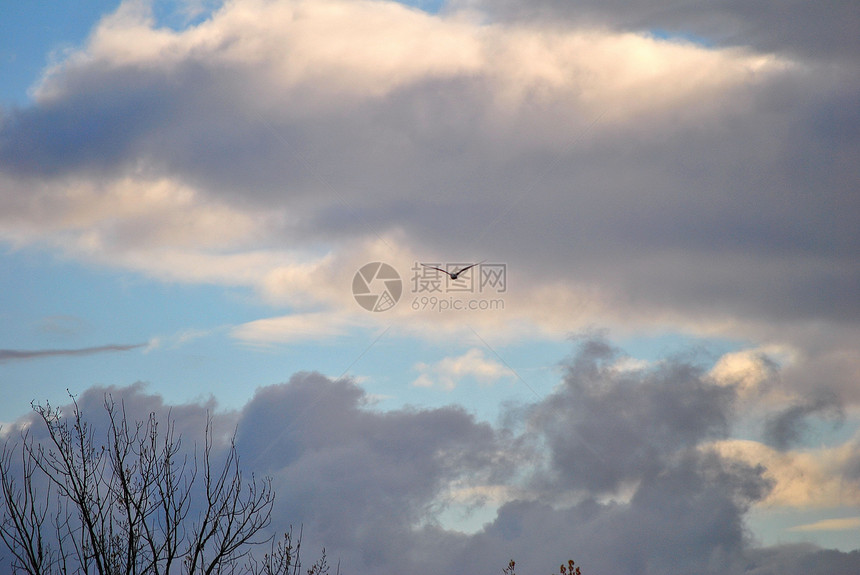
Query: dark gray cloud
{"points": [[787, 428], [606, 426], [824, 30], [110, 115], [367, 484], [801, 559], [688, 519], [189, 419], [361, 481], [606, 429], [352, 474], [7, 355], [364, 482]]}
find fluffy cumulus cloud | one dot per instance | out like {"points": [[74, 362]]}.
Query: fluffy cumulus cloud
{"points": [[447, 372], [603, 411], [801, 478], [628, 471]]}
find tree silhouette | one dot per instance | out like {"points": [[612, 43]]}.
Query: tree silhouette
{"points": [[137, 504], [569, 569], [131, 504]]}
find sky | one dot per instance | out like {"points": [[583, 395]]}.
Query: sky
{"points": [[653, 364]]}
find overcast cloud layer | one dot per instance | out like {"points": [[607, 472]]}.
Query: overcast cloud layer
{"points": [[705, 188], [823, 30], [654, 491]]}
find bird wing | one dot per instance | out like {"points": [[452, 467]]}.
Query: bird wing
{"points": [[469, 267], [435, 268]]}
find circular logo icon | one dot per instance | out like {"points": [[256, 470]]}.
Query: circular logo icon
{"points": [[377, 286]]}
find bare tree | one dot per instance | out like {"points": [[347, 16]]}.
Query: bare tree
{"points": [[569, 569], [284, 558], [72, 504]]}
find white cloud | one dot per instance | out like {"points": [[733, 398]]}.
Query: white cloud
{"points": [[293, 328], [814, 479], [119, 215], [755, 373], [373, 47], [448, 372], [842, 524], [177, 339]]}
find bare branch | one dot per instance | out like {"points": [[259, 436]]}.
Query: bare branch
{"points": [[122, 505]]}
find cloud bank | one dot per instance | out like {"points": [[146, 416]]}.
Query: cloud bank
{"points": [[659, 174], [627, 471]]}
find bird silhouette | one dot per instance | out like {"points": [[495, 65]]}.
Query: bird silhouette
{"points": [[456, 274]]}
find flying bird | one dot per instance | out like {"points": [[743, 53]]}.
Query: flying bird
{"points": [[456, 274]]}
